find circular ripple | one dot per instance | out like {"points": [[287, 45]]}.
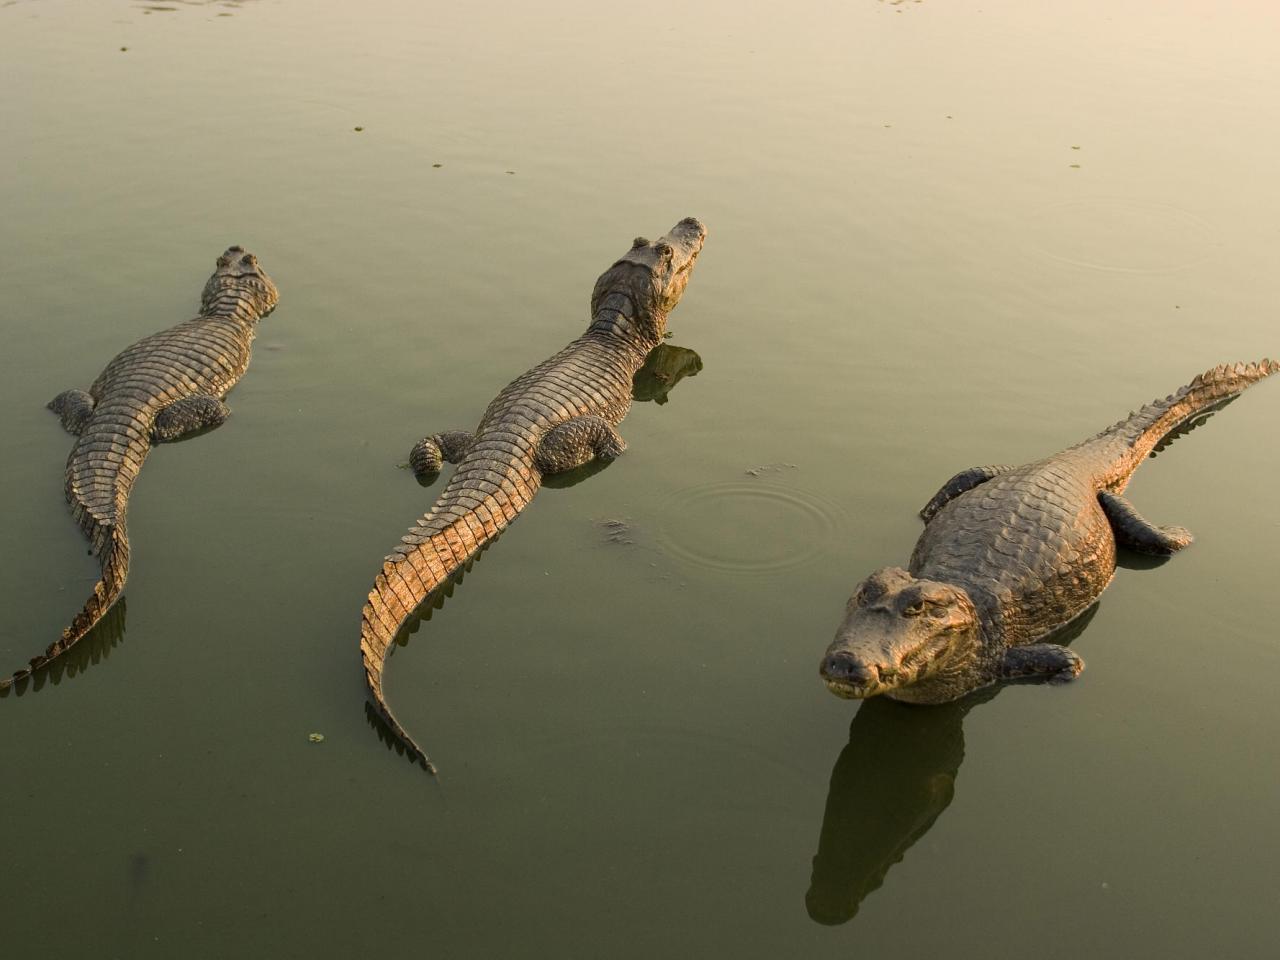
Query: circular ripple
{"points": [[748, 525], [1128, 236]]}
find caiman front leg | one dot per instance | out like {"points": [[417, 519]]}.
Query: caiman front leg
{"points": [[74, 408], [577, 441], [1134, 531], [1042, 662], [429, 454], [962, 482], [187, 416]]}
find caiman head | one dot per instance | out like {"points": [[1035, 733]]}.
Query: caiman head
{"points": [[646, 284], [899, 631], [239, 275]]}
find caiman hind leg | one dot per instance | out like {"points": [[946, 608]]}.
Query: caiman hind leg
{"points": [[188, 416], [74, 408], [429, 454], [1134, 531], [1041, 662], [962, 482], [577, 441]]}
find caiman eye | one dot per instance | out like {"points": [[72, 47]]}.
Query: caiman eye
{"points": [[915, 610], [665, 251]]}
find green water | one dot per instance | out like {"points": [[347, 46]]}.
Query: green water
{"points": [[941, 234]]}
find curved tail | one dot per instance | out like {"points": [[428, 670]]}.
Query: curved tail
{"points": [[431, 555], [111, 544], [1139, 433]]}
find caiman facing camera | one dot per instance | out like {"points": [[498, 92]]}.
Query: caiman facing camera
{"points": [[1009, 555]]}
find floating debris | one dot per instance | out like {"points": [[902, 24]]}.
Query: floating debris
{"points": [[616, 531], [769, 468], [316, 737], [359, 129]]}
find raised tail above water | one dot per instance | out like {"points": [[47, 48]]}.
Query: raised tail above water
{"points": [[1130, 440]]}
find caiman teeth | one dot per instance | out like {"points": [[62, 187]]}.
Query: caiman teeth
{"points": [[849, 691]]}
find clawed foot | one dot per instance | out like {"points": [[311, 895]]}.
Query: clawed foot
{"points": [[1042, 663]]}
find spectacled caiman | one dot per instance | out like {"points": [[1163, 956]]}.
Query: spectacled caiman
{"points": [[1008, 556], [165, 387], [553, 418]]}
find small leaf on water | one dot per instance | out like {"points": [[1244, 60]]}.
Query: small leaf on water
{"points": [[316, 737]]}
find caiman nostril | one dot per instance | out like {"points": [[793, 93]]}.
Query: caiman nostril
{"points": [[840, 666]]}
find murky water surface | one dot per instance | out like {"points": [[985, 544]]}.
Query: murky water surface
{"points": [[942, 234]]}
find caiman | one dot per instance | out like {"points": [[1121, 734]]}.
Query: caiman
{"points": [[165, 387], [1008, 556], [554, 418]]}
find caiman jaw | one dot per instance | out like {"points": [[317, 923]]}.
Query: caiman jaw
{"points": [[852, 680]]}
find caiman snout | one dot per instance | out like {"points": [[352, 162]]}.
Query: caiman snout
{"points": [[681, 244], [690, 231], [852, 678], [842, 667]]}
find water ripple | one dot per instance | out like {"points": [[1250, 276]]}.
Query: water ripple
{"points": [[749, 525], [1122, 235]]}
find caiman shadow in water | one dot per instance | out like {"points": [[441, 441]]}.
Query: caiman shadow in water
{"points": [[93, 648], [664, 367], [555, 418], [891, 782]]}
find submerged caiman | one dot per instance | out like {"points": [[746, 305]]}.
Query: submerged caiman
{"points": [[1008, 556], [165, 387], [558, 416]]}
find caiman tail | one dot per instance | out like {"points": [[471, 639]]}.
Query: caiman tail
{"points": [[98, 491], [477, 505], [112, 547], [1130, 440]]}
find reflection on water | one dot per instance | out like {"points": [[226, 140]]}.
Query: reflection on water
{"points": [[891, 782], [664, 367], [893, 779], [903, 237], [92, 649]]}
